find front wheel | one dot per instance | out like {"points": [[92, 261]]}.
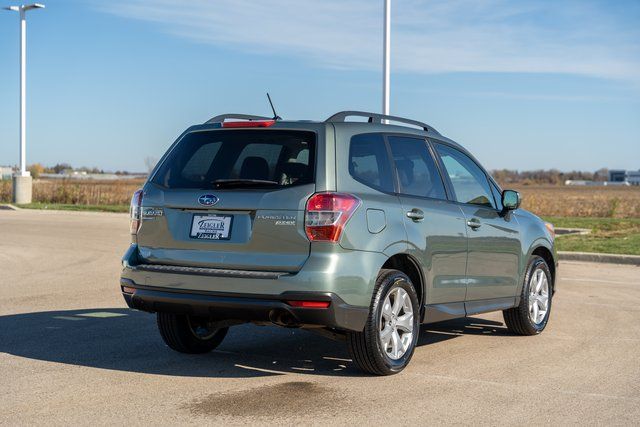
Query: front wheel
{"points": [[189, 334], [532, 315], [388, 340]]}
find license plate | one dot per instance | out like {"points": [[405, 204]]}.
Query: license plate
{"points": [[211, 227]]}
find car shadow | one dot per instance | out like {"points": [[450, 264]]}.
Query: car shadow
{"points": [[127, 340]]}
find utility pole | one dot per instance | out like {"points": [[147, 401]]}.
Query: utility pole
{"points": [[22, 183]]}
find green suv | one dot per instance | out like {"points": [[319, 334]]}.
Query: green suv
{"points": [[363, 228]]}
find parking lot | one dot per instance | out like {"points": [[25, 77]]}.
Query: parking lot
{"points": [[71, 353]]}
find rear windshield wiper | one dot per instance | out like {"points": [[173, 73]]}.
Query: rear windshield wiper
{"points": [[219, 183]]}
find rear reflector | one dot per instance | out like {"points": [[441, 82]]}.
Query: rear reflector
{"points": [[327, 214], [309, 304], [128, 290], [248, 124]]}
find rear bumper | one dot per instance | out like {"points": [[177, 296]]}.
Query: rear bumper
{"points": [[243, 307], [349, 274]]}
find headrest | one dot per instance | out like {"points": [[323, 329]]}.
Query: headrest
{"points": [[254, 168]]}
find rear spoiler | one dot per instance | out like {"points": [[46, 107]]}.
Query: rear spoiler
{"points": [[222, 117]]}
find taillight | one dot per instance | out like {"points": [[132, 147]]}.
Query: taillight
{"points": [[135, 211], [327, 214]]}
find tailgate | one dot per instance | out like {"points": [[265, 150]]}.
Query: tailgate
{"points": [[230, 199]]}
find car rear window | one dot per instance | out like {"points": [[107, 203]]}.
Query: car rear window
{"points": [[239, 158]]}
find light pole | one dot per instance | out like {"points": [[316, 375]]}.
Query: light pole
{"points": [[386, 57], [22, 179]]}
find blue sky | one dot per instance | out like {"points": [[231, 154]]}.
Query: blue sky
{"points": [[523, 85]]}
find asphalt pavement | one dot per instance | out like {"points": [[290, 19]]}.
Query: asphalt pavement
{"points": [[71, 353]]}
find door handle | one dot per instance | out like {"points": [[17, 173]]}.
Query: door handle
{"points": [[474, 223], [415, 214]]}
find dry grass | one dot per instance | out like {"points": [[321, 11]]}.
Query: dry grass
{"points": [[76, 192], [596, 202], [557, 201]]}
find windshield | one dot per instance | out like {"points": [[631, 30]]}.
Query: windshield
{"points": [[239, 159]]}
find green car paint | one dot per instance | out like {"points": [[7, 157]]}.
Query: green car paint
{"points": [[469, 258]]}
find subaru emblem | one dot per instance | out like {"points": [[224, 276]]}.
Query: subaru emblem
{"points": [[208, 200]]}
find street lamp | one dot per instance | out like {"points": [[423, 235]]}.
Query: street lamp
{"points": [[22, 179], [386, 57]]}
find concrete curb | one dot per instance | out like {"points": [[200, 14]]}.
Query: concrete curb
{"points": [[572, 231], [596, 257], [8, 207]]}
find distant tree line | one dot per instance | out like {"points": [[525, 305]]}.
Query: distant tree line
{"points": [[551, 176]]}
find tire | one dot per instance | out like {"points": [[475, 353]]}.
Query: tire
{"points": [[368, 349], [519, 319], [189, 334]]}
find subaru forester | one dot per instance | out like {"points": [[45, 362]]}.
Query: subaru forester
{"points": [[365, 228]]}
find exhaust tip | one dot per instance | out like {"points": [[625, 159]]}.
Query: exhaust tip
{"points": [[283, 318]]}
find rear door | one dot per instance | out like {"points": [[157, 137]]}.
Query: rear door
{"points": [[494, 238], [435, 227], [231, 198]]}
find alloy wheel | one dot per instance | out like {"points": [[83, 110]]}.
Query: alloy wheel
{"points": [[396, 323], [538, 296]]}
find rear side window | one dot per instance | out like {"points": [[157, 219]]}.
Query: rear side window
{"points": [[417, 171], [239, 158], [369, 162]]}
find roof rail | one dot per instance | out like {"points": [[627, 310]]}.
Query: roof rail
{"points": [[378, 118], [222, 117]]}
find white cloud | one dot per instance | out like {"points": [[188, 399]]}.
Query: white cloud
{"points": [[428, 36]]}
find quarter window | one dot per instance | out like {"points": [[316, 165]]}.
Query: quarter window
{"points": [[469, 182], [417, 172], [369, 162], [497, 195]]}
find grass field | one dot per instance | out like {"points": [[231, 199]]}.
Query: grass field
{"points": [[608, 235], [68, 207], [595, 202], [78, 192]]}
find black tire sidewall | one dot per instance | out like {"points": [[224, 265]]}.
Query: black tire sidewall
{"points": [[390, 282], [176, 332]]}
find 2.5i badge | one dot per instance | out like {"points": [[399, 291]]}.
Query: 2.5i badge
{"points": [[211, 227]]}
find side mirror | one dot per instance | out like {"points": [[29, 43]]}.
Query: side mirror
{"points": [[510, 200]]}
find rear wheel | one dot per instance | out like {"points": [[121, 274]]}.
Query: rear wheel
{"points": [[189, 334], [532, 315], [388, 340]]}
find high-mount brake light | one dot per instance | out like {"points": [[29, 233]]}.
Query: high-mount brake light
{"points": [[135, 211], [327, 214], [249, 124]]}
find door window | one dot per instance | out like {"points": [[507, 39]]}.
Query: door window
{"points": [[469, 182], [417, 172]]}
